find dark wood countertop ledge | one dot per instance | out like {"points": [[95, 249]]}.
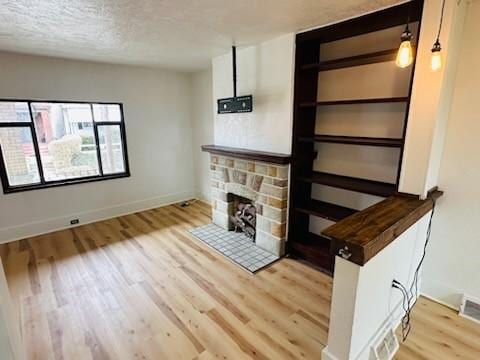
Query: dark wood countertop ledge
{"points": [[254, 155], [367, 232]]}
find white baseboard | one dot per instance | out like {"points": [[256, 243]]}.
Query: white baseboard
{"points": [[54, 224], [429, 297], [442, 293]]}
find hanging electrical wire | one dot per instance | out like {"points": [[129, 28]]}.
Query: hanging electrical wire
{"points": [[411, 295]]}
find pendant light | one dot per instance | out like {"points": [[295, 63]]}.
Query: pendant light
{"points": [[405, 51], [436, 62]]}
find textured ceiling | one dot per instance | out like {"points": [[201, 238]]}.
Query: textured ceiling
{"points": [[180, 34]]}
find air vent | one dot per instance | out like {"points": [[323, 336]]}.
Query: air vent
{"points": [[470, 308], [386, 347]]}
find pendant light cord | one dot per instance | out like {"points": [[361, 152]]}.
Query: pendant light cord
{"points": [[441, 21], [408, 13]]}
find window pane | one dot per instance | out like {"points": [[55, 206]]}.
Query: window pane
{"points": [[14, 112], [66, 140], [19, 156], [111, 149], [103, 112]]}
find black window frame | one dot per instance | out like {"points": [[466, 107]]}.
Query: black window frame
{"points": [[43, 184]]}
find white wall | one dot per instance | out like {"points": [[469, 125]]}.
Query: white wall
{"points": [[158, 126], [265, 71], [453, 262], [202, 124]]}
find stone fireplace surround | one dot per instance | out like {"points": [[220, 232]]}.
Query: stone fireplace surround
{"points": [[264, 183]]}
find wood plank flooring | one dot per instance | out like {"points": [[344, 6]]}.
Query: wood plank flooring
{"points": [[140, 287]]}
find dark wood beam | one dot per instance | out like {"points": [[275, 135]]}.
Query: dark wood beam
{"points": [[254, 155], [367, 232]]}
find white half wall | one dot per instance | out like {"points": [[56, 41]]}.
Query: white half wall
{"points": [[202, 125], [453, 262], [158, 131], [265, 71], [364, 302]]}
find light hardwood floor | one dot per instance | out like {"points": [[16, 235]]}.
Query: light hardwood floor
{"points": [[140, 287]]}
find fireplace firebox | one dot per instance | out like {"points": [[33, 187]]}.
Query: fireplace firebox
{"points": [[243, 216]]}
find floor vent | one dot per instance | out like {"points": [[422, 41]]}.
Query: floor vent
{"points": [[386, 347], [470, 308]]}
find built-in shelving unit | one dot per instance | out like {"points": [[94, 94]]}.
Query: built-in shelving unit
{"points": [[339, 48]]}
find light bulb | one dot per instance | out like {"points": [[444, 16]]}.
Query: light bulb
{"points": [[436, 62], [405, 54]]}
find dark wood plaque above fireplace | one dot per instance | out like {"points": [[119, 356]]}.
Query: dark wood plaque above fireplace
{"points": [[254, 155]]}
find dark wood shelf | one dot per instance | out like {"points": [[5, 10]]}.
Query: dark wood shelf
{"points": [[369, 231], [355, 140], [371, 187], [269, 157], [313, 248], [355, 101], [325, 210], [357, 60]]}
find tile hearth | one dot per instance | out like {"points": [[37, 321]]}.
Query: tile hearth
{"points": [[234, 245]]}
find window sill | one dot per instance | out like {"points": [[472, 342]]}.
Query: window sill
{"points": [[52, 184]]}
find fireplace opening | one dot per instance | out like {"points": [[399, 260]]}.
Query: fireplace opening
{"points": [[243, 215]]}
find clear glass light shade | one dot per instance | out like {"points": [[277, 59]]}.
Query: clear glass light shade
{"points": [[436, 62], [405, 54]]}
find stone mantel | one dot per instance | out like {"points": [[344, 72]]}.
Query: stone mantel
{"points": [[253, 155]]}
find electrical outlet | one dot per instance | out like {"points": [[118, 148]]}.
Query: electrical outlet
{"points": [[74, 222]]}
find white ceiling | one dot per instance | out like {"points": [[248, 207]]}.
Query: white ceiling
{"points": [[179, 34]]}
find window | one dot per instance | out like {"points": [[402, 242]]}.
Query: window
{"points": [[52, 143]]}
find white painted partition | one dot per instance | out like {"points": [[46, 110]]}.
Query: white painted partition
{"points": [[11, 347], [364, 301]]}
